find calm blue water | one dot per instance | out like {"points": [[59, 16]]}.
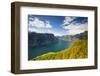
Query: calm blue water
{"points": [[36, 51]]}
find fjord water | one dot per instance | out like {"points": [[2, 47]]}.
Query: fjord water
{"points": [[53, 47]]}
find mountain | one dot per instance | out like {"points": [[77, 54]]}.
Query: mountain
{"points": [[77, 50], [83, 35], [37, 39]]}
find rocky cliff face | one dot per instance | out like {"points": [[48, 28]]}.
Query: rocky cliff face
{"points": [[37, 39]]}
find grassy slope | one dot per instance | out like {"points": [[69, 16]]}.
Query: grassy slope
{"points": [[76, 51]]}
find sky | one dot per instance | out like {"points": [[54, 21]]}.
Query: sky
{"points": [[58, 25]]}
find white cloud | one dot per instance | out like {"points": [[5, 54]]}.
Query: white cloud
{"points": [[68, 20], [37, 25], [30, 18], [76, 29], [47, 24], [36, 22], [73, 27]]}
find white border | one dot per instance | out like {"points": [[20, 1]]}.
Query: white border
{"points": [[25, 64]]}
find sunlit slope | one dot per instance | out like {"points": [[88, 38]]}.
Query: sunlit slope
{"points": [[78, 50]]}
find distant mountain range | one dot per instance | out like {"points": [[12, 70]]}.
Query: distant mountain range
{"points": [[83, 35], [37, 39]]}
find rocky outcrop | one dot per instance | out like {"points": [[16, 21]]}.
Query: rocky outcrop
{"points": [[37, 39]]}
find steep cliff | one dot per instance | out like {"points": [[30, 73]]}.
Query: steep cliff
{"points": [[37, 39]]}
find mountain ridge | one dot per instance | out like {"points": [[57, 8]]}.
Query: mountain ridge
{"points": [[37, 39]]}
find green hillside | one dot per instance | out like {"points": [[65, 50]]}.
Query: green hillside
{"points": [[77, 50]]}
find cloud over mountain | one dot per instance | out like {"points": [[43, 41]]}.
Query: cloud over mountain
{"points": [[74, 25], [57, 25]]}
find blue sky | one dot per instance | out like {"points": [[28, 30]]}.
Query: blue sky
{"points": [[58, 25]]}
